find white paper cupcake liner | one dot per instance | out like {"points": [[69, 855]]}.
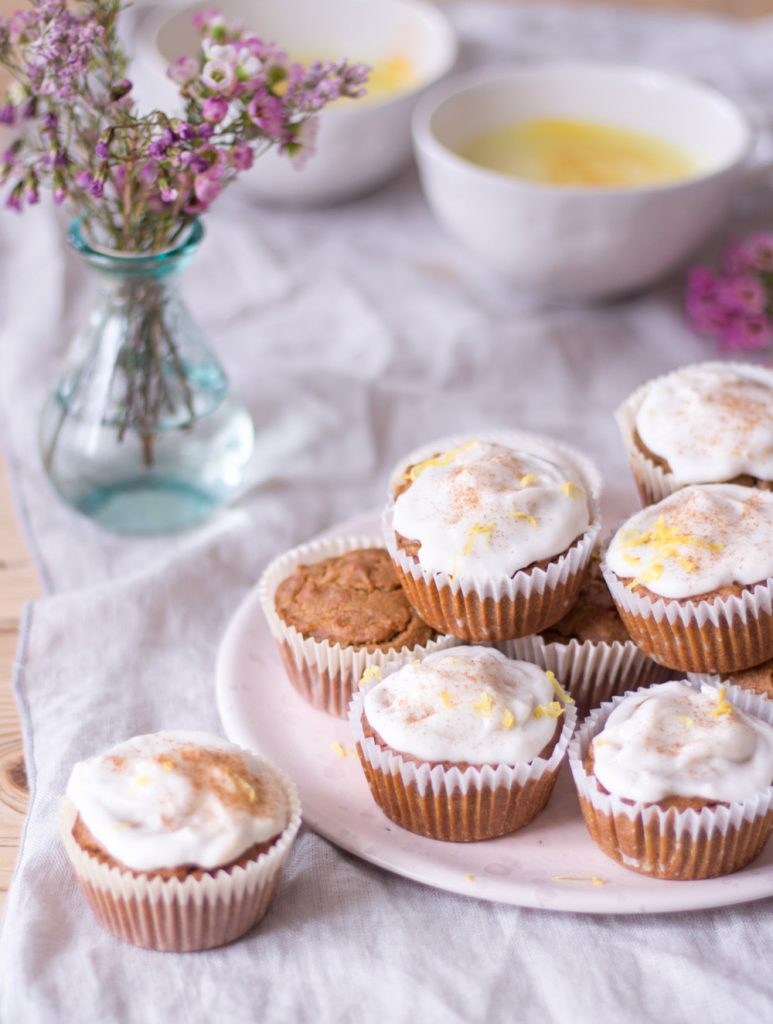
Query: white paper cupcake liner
{"points": [[673, 844], [326, 674], [721, 635], [181, 916], [652, 481], [481, 802], [488, 610], [591, 672]]}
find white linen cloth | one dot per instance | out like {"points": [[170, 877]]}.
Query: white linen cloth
{"points": [[354, 334]]}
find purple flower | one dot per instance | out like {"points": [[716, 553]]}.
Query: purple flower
{"points": [[32, 195], [706, 315], [747, 333], [97, 188], [207, 20], [219, 76], [84, 180], [701, 281], [157, 149], [206, 188], [242, 156], [148, 172], [214, 109], [8, 114], [14, 200], [266, 111], [760, 248], [185, 131], [206, 131], [743, 294], [102, 149], [183, 71], [169, 194]]}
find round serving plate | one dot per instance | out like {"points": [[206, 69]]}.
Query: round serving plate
{"points": [[551, 864]]}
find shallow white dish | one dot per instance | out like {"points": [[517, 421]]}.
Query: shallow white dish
{"points": [[259, 709]]}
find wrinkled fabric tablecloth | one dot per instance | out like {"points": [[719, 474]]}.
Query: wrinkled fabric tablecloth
{"points": [[353, 333]]}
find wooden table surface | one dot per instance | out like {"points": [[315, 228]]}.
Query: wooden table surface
{"points": [[19, 583]]}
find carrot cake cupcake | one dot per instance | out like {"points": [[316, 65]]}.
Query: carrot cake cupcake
{"points": [[708, 423], [463, 745], [589, 649], [491, 542], [178, 839], [336, 607], [691, 578], [676, 781]]}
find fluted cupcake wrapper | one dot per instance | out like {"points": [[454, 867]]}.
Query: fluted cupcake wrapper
{"points": [[591, 672], [652, 481], [722, 635], [457, 806], [673, 844], [174, 915], [327, 674], [489, 610]]}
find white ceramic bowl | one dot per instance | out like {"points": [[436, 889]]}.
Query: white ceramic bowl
{"points": [[579, 243], [360, 145]]}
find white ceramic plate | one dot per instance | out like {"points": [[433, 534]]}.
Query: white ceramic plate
{"points": [[551, 864]]}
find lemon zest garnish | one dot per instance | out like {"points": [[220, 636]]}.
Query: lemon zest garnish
{"points": [[551, 710], [508, 719], [601, 743], [246, 788], [438, 460], [338, 748], [593, 879], [529, 479], [477, 530], [469, 877], [632, 559], [484, 704], [650, 574], [445, 699], [167, 765], [142, 780], [371, 672], [724, 707], [124, 824], [664, 542], [685, 720], [571, 490], [524, 515], [560, 691]]}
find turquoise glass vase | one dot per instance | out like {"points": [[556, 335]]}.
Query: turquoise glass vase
{"points": [[142, 432]]}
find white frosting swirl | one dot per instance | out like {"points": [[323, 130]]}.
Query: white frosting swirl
{"points": [[672, 740], [178, 798], [711, 422], [470, 704], [697, 540], [484, 509]]}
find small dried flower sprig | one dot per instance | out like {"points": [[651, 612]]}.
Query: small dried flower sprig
{"points": [[735, 306], [136, 180]]}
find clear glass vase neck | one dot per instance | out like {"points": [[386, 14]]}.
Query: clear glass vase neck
{"points": [[124, 264]]}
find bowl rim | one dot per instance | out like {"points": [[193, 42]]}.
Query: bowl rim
{"points": [[426, 142], [150, 25]]}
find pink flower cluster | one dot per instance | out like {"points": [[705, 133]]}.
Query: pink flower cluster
{"points": [[735, 306], [136, 179]]}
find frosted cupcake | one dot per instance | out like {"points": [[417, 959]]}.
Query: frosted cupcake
{"points": [[691, 578], [708, 423], [489, 541], [178, 839], [464, 745], [675, 781], [336, 608], [589, 649]]}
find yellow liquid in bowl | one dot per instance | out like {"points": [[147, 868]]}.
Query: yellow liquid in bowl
{"points": [[578, 153]]}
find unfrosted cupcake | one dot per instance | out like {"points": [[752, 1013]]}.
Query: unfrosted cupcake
{"points": [[675, 781], [589, 649], [691, 578], [464, 745], [336, 607], [178, 839], [708, 423], [492, 541]]}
